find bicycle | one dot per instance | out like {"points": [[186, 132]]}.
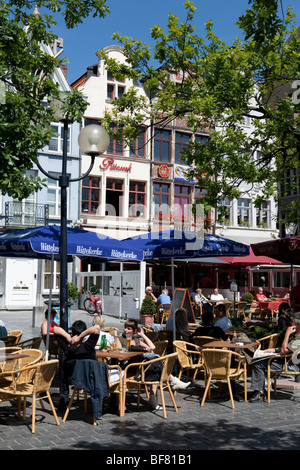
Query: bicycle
{"points": [[92, 304]]}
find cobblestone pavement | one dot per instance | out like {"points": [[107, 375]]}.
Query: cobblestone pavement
{"points": [[215, 426]]}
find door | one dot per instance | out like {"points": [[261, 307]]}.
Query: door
{"points": [[21, 282]]}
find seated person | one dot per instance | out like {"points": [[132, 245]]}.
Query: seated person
{"points": [[74, 347], [284, 319], [134, 333], [164, 297], [223, 320], [216, 296], [201, 299], [260, 296], [259, 368], [209, 329], [181, 321], [44, 325], [3, 329], [149, 292], [100, 320]]}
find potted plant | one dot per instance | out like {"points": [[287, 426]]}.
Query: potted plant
{"points": [[247, 297], [148, 310], [73, 293]]}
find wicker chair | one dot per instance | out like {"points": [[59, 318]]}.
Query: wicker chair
{"points": [[160, 347], [162, 313], [8, 340], [218, 367], [17, 334], [187, 352], [53, 345], [32, 356], [272, 375], [130, 381], [197, 307], [112, 330], [268, 342], [40, 377], [200, 341], [117, 385], [33, 343], [240, 312]]}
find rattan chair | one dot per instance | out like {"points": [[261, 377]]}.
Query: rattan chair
{"points": [[200, 341], [162, 313], [131, 382], [17, 334], [53, 346], [33, 343], [189, 359], [240, 312], [31, 357], [272, 374], [268, 342], [160, 347], [116, 386], [218, 363], [112, 330], [40, 377], [197, 307], [8, 341]]}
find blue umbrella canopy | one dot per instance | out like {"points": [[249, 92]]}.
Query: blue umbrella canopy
{"points": [[179, 244], [44, 242]]}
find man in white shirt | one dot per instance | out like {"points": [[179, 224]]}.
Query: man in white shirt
{"points": [[216, 295]]}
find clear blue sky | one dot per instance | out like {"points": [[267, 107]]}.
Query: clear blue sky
{"points": [[135, 18]]}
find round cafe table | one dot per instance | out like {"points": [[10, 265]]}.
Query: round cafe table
{"points": [[119, 355]]}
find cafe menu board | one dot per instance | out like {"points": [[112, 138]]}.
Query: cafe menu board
{"points": [[182, 299]]}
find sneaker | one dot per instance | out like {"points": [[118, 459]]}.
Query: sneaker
{"points": [[178, 384]]}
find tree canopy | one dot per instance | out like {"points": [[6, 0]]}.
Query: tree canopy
{"points": [[26, 82], [221, 85]]}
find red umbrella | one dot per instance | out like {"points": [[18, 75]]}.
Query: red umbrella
{"points": [[286, 250], [250, 259]]}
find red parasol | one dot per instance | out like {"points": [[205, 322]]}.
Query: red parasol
{"points": [[250, 259], [286, 250]]}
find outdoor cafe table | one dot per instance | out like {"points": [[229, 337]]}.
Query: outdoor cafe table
{"points": [[120, 356], [272, 305]]}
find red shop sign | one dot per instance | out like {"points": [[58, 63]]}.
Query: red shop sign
{"points": [[163, 171], [109, 163]]}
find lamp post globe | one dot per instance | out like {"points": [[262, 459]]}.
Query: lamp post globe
{"points": [[93, 140]]}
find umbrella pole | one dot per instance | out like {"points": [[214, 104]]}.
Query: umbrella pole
{"points": [[173, 290], [49, 308]]}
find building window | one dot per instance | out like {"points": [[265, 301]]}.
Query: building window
{"points": [[90, 194], [263, 215], [225, 218], [114, 193], [161, 199], [56, 142], [53, 196], [182, 204], [181, 143], [162, 145], [115, 89], [137, 199], [138, 146], [47, 275], [260, 278], [243, 212], [116, 147]]}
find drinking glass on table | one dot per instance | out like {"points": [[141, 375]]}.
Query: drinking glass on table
{"points": [[128, 338]]}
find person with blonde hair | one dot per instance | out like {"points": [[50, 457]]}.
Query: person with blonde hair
{"points": [[100, 321]]}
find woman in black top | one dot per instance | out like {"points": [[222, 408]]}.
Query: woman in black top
{"points": [[284, 319]]}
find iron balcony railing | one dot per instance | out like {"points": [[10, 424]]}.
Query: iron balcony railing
{"points": [[26, 214]]}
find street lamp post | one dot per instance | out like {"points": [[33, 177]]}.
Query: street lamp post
{"points": [[93, 140]]}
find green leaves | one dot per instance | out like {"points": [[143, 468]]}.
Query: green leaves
{"points": [[26, 70], [222, 89]]}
